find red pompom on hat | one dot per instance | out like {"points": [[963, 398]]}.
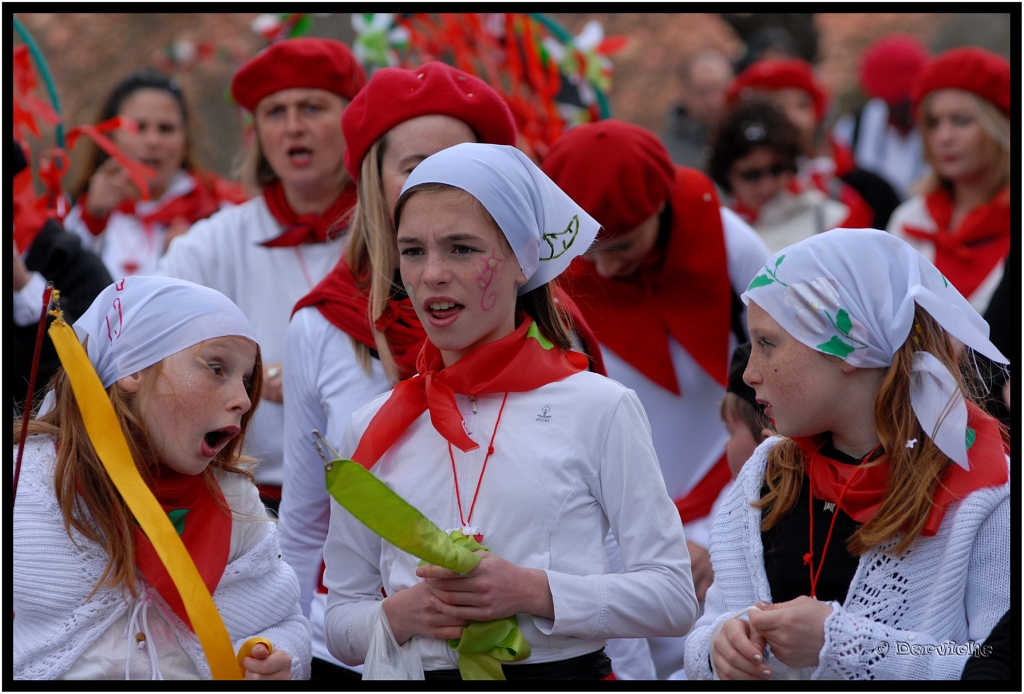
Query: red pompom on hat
{"points": [[769, 75], [618, 172], [395, 95], [298, 63], [890, 65], [973, 70]]}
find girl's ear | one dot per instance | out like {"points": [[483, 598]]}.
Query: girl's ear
{"points": [[131, 383], [521, 277]]}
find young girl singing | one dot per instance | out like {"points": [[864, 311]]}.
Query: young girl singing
{"points": [[505, 435], [873, 540], [92, 599]]}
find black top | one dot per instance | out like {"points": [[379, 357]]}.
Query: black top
{"points": [[997, 658], [80, 276], [786, 543]]}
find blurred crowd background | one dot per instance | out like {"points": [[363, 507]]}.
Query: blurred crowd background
{"points": [[89, 53]]}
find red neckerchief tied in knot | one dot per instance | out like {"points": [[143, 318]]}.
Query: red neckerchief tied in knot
{"points": [[309, 227], [523, 361]]}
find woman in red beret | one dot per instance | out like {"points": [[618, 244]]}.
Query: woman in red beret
{"points": [[791, 84], [961, 220], [660, 289], [336, 358], [128, 233], [267, 253]]}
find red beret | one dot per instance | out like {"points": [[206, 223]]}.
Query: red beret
{"points": [[973, 70], [618, 172], [769, 75], [890, 65], [395, 95], [304, 63]]}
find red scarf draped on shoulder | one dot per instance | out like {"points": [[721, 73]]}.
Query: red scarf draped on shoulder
{"points": [[523, 361], [341, 301], [684, 294], [966, 255], [310, 227], [986, 456], [200, 514]]}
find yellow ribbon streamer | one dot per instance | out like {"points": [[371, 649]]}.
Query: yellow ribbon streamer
{"points": [[108, 440]]}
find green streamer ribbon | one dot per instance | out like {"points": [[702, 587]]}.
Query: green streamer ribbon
{"points": [[483, 646]]}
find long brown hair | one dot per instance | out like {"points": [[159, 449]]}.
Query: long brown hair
{"points": [[914, 472], [540, 303], [88, 500], [135, 81]]}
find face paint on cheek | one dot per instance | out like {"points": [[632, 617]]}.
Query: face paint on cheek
{"points": [[484, 279]]}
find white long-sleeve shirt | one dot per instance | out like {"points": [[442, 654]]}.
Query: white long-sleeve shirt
{"points": [[570, 460], [324, 386], [223, 253], [63, 630], [952, 586]]}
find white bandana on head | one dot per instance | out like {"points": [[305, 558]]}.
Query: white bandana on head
{"points": [[851, 293], [543, 225], [138, 321]]}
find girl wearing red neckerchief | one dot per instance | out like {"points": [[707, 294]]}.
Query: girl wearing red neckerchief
{"points": [[129, 233], [961, 220], [505, 435], [356, 334], [872, 541], [270, 251], [92, 597]]}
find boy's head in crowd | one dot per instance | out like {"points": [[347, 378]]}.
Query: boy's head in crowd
{"points": [[743, 417]]}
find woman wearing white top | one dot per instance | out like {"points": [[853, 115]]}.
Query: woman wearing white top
{"points": [[507, 452]]}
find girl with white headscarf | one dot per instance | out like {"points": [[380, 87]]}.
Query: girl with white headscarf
{"points": [[507, 437], [92, 597], [873, 540]]}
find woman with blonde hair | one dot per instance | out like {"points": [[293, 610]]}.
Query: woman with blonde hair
{"points": [[267, 253], [961, 219], [872, 539]]}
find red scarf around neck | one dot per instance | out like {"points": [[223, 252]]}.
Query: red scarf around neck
{"points": [[309, 227], [522, 361], [685, 295], [966, 255], [204, 525], [864, 496], [341, 301]]}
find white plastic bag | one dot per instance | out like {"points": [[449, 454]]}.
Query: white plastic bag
{"points": [[386, 660]]}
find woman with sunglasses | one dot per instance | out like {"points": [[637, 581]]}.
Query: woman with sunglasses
{"points": [[754, 162]]}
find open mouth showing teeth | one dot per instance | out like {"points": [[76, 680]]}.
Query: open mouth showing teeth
{"points": [[443, 309]]}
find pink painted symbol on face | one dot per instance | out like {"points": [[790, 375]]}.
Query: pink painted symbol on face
{"points": [[491, 267]]}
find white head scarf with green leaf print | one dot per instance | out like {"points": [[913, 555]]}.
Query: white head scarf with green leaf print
{"points": [[851, 293]]}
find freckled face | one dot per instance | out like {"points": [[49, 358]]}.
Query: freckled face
{"points": [[194, 407], [458, 268], [798, 386]]}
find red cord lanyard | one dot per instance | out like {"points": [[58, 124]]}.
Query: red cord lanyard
{"points": [[490, 449], [809, 557]]}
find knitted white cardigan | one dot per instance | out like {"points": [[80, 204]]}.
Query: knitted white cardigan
{"points": [[56, 620], [904, 617]]}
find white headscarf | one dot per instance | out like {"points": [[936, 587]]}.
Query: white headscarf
{"points": [[851, 293], [545, 228], [138, 321]]}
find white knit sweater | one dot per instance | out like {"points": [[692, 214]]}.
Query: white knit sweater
{"points": [[903, 616], [56, 619]]}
